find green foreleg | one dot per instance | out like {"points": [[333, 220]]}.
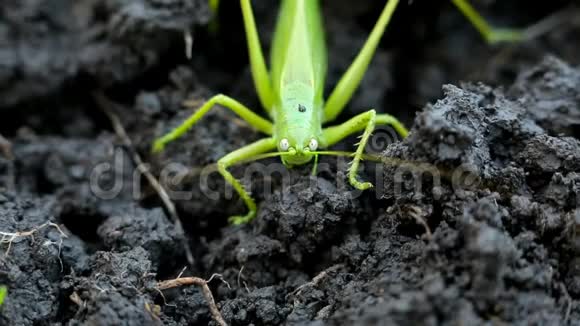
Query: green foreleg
{"points": [[364, 121], [252, 118], [242, 154]]}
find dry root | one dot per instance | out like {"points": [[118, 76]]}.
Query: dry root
{"points": [[201, 283], [10, 237]]}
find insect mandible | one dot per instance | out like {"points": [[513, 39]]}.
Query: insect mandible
{"points": [[292, 92]]}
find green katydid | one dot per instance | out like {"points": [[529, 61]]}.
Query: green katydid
{"points": [[292, 93]]}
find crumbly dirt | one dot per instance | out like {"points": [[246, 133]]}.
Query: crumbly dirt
{"points": [[474, 219]]}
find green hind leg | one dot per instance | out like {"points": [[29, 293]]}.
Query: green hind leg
{"points": [[351, 79], [489, 33], [365, 121], [252, 118], [214, 5], [242, 154], [260, 74]]}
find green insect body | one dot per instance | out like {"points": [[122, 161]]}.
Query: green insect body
{"points": [[292, 93], [298, 60]]}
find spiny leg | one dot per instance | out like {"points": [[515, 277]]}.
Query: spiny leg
{"points": [[351, 79], [365, 121], [489, 33], [252, 118], [244, 153], [260, 74]]}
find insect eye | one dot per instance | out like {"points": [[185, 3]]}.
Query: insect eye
{"points": [[313, 145], [284, 144]]}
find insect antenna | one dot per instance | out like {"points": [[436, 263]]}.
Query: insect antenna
{"points": [[369, 157], [261, 157]]}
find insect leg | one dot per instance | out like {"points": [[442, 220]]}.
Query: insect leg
{"points": [[247, 152], [214, 5], [489, 33], [351, 79], [213, 25], [260, 74], [365, 121], [252, 118]]}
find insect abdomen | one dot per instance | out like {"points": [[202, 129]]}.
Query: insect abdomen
{"points": [[298, 49]]}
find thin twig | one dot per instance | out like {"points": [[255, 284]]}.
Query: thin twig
{"points": [[221, 278], [416, 213], [568, 301], [240, 276], [316, 280], [182, 271], [197, 281], [188, 38], [107, 107]]}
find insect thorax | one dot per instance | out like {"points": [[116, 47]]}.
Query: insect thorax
{"points": [[298, 115]]}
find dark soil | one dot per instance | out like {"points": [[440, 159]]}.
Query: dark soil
{"points": [[474, 219]]}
